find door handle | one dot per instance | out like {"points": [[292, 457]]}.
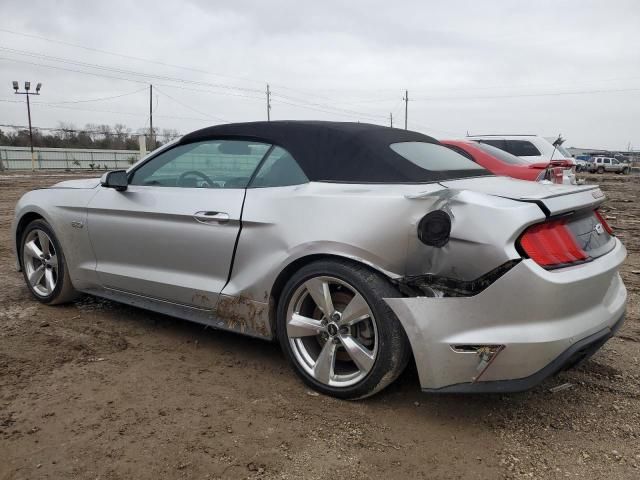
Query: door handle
{"points": [[211, 217]]}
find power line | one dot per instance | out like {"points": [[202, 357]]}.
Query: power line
{"points": [[92, 99], [125, 71], [183, 67], [145, 82], [157, 62], [191, 108], [321, 110], [117, 112], [130, 57], [171, 79], [325, 106], [525, 95]]}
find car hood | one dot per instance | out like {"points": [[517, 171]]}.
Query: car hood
{"points": [[553, 198], [86, 183]]}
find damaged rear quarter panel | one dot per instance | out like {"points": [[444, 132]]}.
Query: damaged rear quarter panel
{"points": [[484, 229], [372, 224]]}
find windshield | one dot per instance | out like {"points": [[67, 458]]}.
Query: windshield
{"points": [[501, 155], [434, 157]]}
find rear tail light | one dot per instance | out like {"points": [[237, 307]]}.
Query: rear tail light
{"points": [[551, 244], [604, 222]]}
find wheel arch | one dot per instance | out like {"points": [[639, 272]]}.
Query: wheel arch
{"points": [[292, 267], [21, 225]]}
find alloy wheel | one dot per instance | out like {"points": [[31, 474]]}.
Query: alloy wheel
{"points": [[41, 263], [332, 331]]}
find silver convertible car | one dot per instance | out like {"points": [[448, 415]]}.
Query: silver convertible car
{"points": [[358, 247]]}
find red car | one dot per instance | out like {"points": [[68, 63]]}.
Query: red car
{"points": [[503, 163]]}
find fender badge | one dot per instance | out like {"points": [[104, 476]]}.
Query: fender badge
{"points": [[76, 224], [597, 193]]}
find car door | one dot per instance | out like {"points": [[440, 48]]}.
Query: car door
{"points": [[171, 234], [615, 165]]}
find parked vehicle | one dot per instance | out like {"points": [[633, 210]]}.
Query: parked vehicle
{"points": [[500, 162], [582, 163], [532, 148], [358, 247], [608, 164]]}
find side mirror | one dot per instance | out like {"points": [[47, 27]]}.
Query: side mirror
{"points": [[117, 179]]}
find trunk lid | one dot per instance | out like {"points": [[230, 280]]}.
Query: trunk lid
{"points": [[553, 199]]}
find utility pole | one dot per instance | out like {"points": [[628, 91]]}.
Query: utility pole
{"points": [[406, 107], [391, 119], [152, 143], [27, 87], [268, 104]]}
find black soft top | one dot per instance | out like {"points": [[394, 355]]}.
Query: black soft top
{"points": [[338, 151]]}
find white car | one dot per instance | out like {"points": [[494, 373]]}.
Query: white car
{"points": [[532, 148]]}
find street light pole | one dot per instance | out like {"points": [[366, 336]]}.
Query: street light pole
{"points": [[27, 87]]}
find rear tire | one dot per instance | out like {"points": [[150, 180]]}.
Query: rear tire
{"points": [[600, 170], [355, 350], [44, 266]]}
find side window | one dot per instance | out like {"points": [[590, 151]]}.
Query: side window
{"points": [[207, 164], [522, 148], [606, 160], [280, 169], [501, 144]]}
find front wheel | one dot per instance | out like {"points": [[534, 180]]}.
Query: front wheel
{"points": [[44, 266], [625, 171], [337, 331]]}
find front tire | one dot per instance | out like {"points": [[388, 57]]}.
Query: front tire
{"points": [[338, 333], [44, 266]]}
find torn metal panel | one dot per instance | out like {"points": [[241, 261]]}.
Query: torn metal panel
{"points": [[434, 285]]}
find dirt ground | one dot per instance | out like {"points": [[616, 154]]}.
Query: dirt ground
{"points": [[104, 391]]}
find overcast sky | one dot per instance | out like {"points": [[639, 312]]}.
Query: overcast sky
{"points": [[542, 67]]}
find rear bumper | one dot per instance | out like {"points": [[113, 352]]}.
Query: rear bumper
{"points": [[574, 355], [544, 320]]}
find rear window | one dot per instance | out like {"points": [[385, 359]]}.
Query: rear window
{"points": [[434, 157], [522, 148], [501, 155], [563, 151]]}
